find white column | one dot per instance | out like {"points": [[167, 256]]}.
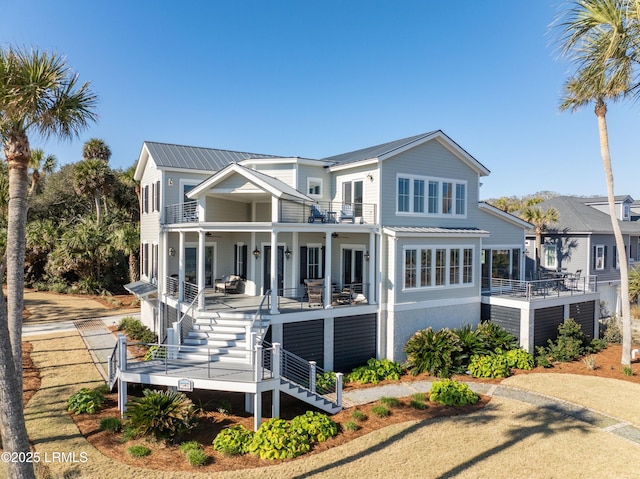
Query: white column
{"points": [[373, 262], [257, 410], [201, 267], [274, 272], [253, 271], [327, 272], [181, 266], [328, 343]]}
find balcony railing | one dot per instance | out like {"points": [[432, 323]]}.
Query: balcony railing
{"points": [[182, 213], [327, 212], [541, 289]]}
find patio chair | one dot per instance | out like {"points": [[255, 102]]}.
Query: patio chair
{"points": [[228, 284], [346, 213], [314, 290], [574, 280], [315, 213]]}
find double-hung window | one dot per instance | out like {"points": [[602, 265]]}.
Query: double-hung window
{"points": [[421, 195], [600, 252]]}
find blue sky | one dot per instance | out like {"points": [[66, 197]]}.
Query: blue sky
{"points": [[317, 78]]}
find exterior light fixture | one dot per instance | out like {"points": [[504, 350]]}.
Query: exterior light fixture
{"points": [[287, 253], [367, 256], [172, 251], [256, 253]]}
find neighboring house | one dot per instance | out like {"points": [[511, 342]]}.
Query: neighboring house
{"points": [[334, 261], [583, 241]]}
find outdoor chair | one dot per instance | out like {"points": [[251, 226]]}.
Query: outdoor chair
{"points": [[315, 213], [346, 213], [314, 291], [228, 284]]}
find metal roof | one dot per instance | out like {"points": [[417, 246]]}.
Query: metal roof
{"points": [[195, 158], [434, 230]]}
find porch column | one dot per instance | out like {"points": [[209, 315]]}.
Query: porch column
{"points": [[201, 268], [253, 272], [372, 296], [327, 271], [181, 266], [274, 272]]}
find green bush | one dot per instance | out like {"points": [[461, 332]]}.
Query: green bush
{"points": [[390, 401], [276, 439], [359, 416], [491, 366], [570, 344], [418, 404], [86, 401], [155, 352], [316, 426], [325, 382], [111, 424], [452, 393], [520, 359], [136, 331], [419, 396], [612, 330], [139, 451], [380, 410], [197, 457], [163, 414], [188, 446], [542, 357], [496, 337], [471, 342], [376, 370], [436, 353], [233, 441], [350, 426]]}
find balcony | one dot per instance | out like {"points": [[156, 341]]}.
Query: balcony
{"points": [[288, 212], [541, 289]]}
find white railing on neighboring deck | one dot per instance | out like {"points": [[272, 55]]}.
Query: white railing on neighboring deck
{"points": [[186, 212], [542, 288]]}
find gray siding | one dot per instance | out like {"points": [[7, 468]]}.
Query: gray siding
{"points": [[221, 210], [583, 314], [354, 341], [284, 172], [305, 339], [502, 232], [434, 160], [505, 317], [308, 171], [546, 322]]}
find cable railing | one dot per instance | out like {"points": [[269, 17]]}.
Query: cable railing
{"points": [[541, 288], [186, 212]]}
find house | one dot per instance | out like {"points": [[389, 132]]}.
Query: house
{"points": [[582, 242], [324, 263]]}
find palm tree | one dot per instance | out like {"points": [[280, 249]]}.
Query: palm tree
{"points": [[601, 38], [125, 236], [38, 94], [541, 221], [96, 148], [93, 177], [38, 162]]}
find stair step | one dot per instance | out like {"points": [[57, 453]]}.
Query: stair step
{"points": [[215, 335], [214, 343], [226, 358]]}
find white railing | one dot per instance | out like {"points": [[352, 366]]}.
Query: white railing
{"points": [[542, 288], [182, 213], [183, 325]]}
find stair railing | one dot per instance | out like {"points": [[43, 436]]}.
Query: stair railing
{"points": [[113, 371], [254, 339], [182, 326]]}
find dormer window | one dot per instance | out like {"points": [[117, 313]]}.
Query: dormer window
{"points": [[626, 212]]}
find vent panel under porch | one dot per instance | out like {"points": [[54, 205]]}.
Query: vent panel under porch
{"points": [[583, 314], [545, 325], [505, 317], [354, 341], [305, 339]]}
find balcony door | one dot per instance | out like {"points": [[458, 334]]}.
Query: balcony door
{"points": [[352, 193], [353, 267]]}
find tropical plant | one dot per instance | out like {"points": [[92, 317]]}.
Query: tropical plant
{"points": [[496, 337], [93, 177], [111, 424], [601, 38], [433, 352], [38, 93], [86, 400], [233, 441], [162, 414], [490, 366], [541, 221], [316, 426], [276, 439], [374, 371]]}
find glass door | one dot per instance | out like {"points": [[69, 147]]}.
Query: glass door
{"points": [[266, 267]]}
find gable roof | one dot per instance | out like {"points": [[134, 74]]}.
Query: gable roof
{"points": [[576, 216], [268, 183], [392, 148], [484, 206]]}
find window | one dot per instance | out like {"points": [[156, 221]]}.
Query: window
{"points": [[437, 266], [144, 259], [403, 194], [314, 262], [626, 211], [156, 201], [442, 197], [599, 257], [352, 193], [240, 255], [145, 199], [314, 186], [550, 256], [153, 274]]}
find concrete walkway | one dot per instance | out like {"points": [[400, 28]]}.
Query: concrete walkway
{"points": [[100, 342]]}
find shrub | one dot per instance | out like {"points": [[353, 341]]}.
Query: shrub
{"points": [[520, 359], [390, 401], [627, 371], [139, 451], [197, 457], [359, 416], [276, 439], [316, 426], [491, 366], [135, 330], [188, 446], [542, 357], [419, 396], [325, 382], [418, 404], [163, 414], [496, 337], [472, 343], [570, 344], [452, 393], [612, 330], [380, 410], [350, 426], [111, 424], [86, 401], [436, 353], [233, 441], [376, 370]]}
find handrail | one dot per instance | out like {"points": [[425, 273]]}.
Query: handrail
{"points": [[180, 321], [112, 367], [258, 314]]}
